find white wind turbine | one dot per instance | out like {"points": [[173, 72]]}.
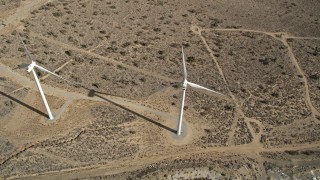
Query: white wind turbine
{"points": [[184, 88], [31, 68]]}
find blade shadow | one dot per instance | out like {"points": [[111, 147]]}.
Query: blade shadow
{"points": [[23, 104], [92, 93]]}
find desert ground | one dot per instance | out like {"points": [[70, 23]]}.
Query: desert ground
{"points": [[118, 117]]}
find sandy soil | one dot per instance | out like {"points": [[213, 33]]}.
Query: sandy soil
{"points": [[118, 119]]}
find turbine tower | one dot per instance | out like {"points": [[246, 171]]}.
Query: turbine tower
{"points": [[185, 83], [31, 68]]}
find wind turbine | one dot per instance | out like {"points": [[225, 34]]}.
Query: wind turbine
{"points": [[185, 83], [30, 68]]}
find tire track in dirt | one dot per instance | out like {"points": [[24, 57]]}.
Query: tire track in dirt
{"points": [[56, 70], [283, 37], [133, 164], [125, 165], [230, 141], [64, 107], [240, 30], [55, 157], [307, 38], [278, 36], [67, 46], [133, 105], [198, 31], [36, 144], [17, 152], [314, 111], [22, 12]]}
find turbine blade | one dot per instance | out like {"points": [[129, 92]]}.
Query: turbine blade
{"points": [[45, 70], [25, 47], [184, 65], [204, 88]]}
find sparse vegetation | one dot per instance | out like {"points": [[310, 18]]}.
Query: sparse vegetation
{"points": [[125, 57]]}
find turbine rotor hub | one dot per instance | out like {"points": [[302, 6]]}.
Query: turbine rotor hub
{"points": [[31, 66], [184, 84]]}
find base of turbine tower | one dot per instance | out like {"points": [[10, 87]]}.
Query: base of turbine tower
{"points": [[45, 120], [184, 132]]}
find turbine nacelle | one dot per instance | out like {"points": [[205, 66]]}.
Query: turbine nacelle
{"points": [[184, 84], [31, 66]]}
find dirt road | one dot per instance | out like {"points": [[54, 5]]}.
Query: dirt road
{"points": [[11, 21]]}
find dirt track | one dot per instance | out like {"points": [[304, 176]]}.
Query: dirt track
{"points": [[11, 21], [145, 108], [248, 150]]}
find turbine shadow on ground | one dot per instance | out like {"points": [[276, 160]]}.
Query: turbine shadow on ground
{"points": [[23, 104], [92, 93]]}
